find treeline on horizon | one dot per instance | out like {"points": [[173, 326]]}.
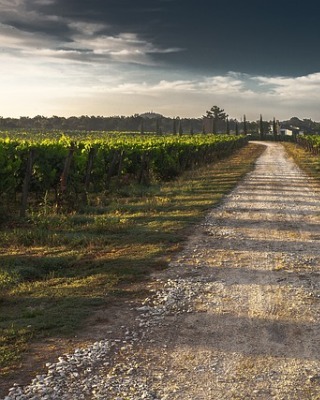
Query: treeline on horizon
{"points": [[144, 123], [136, 123]]}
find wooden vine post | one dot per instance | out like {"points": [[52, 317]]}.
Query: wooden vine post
{"points": [[26, 183], [87, 180], [112, 168], [121, 157], [143, 175], [64, 176]]}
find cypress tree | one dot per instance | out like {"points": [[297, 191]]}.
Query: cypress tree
{"points": [[261, 127], [237, 128], [191, 128], [245, 129], [174, 128], [158, 127], [274, 128]]}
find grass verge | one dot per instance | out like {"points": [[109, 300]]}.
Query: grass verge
{"points": [[56, 270], [307, 161]]}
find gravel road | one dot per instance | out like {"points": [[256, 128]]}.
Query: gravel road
{"points": [[236, 316]]}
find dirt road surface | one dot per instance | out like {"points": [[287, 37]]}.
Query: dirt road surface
{"points": [[237, 315], [254, 329]]}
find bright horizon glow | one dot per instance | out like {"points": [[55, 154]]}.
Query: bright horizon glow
{"points": [[43, 89]]}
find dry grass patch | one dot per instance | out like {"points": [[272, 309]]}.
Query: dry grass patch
{"points": [[307, 161]]}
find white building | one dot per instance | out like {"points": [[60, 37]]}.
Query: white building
{"points": [[286, 132]]}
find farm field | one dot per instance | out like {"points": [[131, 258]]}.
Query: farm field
{"points": [[57, 268]]}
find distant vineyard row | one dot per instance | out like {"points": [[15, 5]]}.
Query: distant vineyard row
{"points": [[310, 143], [64, 167]]}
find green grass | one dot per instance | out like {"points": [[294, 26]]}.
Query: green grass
{"points": [[56, 270]]}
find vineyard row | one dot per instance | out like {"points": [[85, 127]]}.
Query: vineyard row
{"points": [[71, 170]]}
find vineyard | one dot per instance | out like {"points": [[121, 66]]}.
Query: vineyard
{"points": [[63, 171]]}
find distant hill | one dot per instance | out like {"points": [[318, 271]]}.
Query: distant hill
{"points": [[306, 125], [151, 115]]}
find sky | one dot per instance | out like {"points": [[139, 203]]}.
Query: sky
{"points": [[173, 57]]}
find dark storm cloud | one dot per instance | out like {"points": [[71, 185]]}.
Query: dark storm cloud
{"points": [[76, 31], [252, 36], [123, 16]]}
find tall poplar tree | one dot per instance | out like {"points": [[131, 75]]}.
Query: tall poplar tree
{"points": [[245, 128], [227, 126], [191, 128], [261, 127], [158, 126], [174, 128], [237, 128], [274, 128]]}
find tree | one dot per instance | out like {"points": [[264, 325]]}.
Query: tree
{"points": [[245, 128], [191, 128], [216, 114], [180, 130], [227, 126], [237, 128], [142, 126], [274, 128], [158, 126], [264, 127], [203, 127], [174, 128], [261, 127]]}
